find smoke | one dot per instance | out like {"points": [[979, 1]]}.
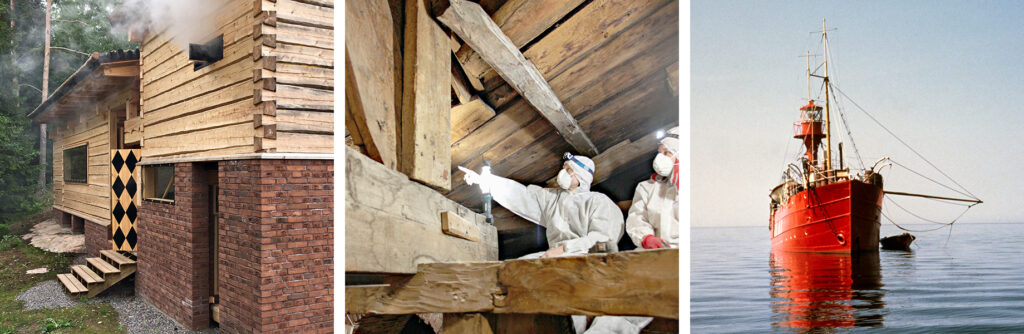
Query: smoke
{"points": [[183, 21]]}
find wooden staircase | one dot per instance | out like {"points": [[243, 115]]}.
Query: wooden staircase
{"points": [[99, 273]]}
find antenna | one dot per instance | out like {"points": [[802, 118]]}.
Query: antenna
{"points": [[808, 56]]}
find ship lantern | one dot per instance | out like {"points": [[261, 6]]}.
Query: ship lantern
{"points": [[808, 129]]}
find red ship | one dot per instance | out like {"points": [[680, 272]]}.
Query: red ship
{"points": [[818, 207]]}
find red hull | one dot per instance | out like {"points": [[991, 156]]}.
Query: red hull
{"points": [[819, 291], [842, 217]]}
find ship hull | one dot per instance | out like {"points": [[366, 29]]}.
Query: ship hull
{"points": [[842, 217]]}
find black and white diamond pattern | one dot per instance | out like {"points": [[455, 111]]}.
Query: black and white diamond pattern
{"points": [[124, 187]]}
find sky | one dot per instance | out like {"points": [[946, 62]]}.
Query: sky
{"points": [[944, 76]]}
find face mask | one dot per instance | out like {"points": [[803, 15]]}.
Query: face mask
{"points": [[663, 165], [564, 179]]}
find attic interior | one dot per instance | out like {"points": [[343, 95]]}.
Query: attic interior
{"points": [[614, 66], [596, 78]]}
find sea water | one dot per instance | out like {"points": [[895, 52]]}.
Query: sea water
{"points": [[970, 279]]}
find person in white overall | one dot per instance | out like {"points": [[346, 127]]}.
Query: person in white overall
{"points": [[653, 218], [575, 218], [652, 222]]}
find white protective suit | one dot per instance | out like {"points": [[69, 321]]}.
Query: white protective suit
{"points": [[576, 219], [655, 210]]}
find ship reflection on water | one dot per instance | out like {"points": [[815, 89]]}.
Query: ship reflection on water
{"points": [[819, 291]]}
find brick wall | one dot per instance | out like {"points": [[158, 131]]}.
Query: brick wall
{"points": [[77, 224], [97, 237], [174, 250], [62, 217], [275, 250]]}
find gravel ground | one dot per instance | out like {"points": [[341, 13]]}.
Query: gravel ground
{"points": [[47, 294], [135, 314]]}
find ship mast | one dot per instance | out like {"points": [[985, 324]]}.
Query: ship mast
{"points": [[828, 124]]}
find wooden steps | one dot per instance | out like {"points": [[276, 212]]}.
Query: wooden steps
{"points": [[99, 273], [101, 266], [86, 275], [71, 283], [116, 258]]}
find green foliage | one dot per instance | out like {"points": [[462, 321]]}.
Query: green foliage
{"points": [[18, 173], [51, 324], [85, 317], [79, 25], [9, 242]]}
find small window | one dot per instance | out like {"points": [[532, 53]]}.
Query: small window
{"points": [[76, 164], [158, 183]]}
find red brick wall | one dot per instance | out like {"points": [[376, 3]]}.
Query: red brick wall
{"points": [[62, 217], [174, 250], [275, 249], [77, 224], [97, 237]]}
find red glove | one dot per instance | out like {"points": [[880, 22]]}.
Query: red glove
{"points": [[652, 242]]}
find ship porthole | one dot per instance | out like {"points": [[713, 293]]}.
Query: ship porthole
{"points": [[842, 240]]}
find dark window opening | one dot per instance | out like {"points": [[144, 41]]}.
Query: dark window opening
{"points": [[76, 164], [207, 53], [158, 183]]}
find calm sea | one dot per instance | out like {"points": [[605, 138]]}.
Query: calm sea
{"points": [[972, 282]]}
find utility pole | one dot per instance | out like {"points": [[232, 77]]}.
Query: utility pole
{"points": [[46, 93]]}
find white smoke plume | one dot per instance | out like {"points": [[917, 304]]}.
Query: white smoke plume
{"points": [[184, 21]]}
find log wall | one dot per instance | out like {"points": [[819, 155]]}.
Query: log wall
{"points": [[272, 91]]}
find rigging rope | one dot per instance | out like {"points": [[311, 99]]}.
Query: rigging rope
{"points": [[849, 134], [968, 193], [930, 179]]}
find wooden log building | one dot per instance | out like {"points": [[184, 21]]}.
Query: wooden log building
{"points": [[435, 84], [207, 171]]}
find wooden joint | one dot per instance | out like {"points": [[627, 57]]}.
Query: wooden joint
{"points": [[270, 131], [269, 40], [268, 84], [268, 17], [257, 143], [257, 51], [270, 63], [269, 108], [257, 120], [257, 7]]}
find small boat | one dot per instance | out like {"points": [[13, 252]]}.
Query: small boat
{"points": [[898, 242], [821, 207]]}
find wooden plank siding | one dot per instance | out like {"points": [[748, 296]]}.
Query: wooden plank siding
{"points": [[90, 200], [272, 63], [294, 92], [187, 113]]}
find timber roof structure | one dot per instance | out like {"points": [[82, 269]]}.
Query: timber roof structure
{"points": [[101, 74], [614, 66]]}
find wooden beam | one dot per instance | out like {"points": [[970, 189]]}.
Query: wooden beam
{"points": [[121, 70], [370, 79], [468, 116], [477, 29], [466, 323], [393, 224], [452, 224], [425, 150], [673, 78], [460, 86], [595, 284], [522, 21]]}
